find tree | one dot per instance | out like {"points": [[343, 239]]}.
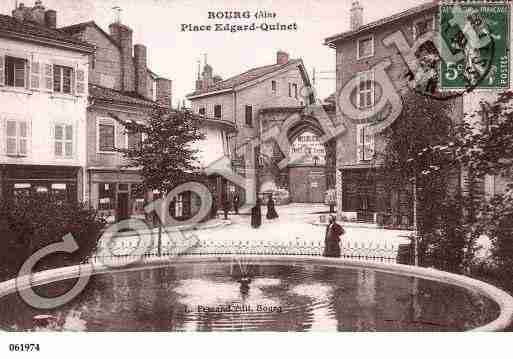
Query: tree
{"points": [[418, 152], [485, 147], [164, 156]]}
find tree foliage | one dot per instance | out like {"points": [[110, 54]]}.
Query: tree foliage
{"points": [[165, 157], [30, 223], [420, 149]]}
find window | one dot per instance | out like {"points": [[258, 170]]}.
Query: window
{"points": [[106, 196], [365, 94], [62, 79], [364, 143], [106, 135], [63, 140], [274, 87], [249, 115], [17, 138], [202, 111], [422, 26], [365, 47], [217, 111], [134, 141], [15, 71], [290, 89], [294, 87]]}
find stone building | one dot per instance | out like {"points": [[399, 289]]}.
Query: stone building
{"points": [[120, 86], [43, 97], [256, 101], [363, 192]]}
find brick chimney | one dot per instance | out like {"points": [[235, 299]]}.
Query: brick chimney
{"points": [[141, 70], [282, 57], [122, 35], [51, 19], [356, 15], [208, 76], [35, 14], [164, 92]]}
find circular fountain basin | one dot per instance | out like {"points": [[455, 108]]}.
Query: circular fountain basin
{"points": [[263, 293]]}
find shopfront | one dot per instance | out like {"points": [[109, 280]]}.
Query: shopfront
{"points": [[64, 183], [117, 195]]}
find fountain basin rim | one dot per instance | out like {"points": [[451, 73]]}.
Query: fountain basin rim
{"points": [[500, 297]]}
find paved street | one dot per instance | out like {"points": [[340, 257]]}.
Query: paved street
{"points": [[294, 228], [295, 224]]}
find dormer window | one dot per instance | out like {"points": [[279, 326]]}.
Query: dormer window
{"points": [[365, 47]]}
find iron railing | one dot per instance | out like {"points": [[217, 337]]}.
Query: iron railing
{"points": [[124, 250]]}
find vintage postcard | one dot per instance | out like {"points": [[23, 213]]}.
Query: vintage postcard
{"points": [[254, 166]]}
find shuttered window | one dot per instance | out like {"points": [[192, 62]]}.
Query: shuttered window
{"points": [[249, 115], [16, 138], [15, 72], [365, 143], [106, 135], [365, 95], [63, 140], [62, 79]]}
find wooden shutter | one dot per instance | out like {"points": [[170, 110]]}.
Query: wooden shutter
{"points": [[68, 144], [2, 70], [368, 143], [58, 137], [23, 136], [35, 75], [11, 130], [79, 82], [47, 75], [359, 142]]}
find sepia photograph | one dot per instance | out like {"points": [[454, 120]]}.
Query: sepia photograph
{"points": [[258, 166]]}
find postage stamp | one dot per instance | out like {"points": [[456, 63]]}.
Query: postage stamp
{"points": [[477, 37]]}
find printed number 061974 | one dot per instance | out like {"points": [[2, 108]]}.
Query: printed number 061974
{"points": [[24, 347]]}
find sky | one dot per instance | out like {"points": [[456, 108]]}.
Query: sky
{"points": [[174, 54]]}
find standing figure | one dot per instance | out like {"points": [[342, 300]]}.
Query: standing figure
{"points": [[226, 207], [213, 209], [236, 203], [256, 214], [271, 211], [332, 238]]}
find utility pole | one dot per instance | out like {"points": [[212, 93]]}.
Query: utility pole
{"points": [[415, 219]]}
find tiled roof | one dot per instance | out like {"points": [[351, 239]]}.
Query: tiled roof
{"points": [[404, 14], [9, 25], [247, 76], [78, 28], [111, 95]]}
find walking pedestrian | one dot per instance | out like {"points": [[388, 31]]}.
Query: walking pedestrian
{"points": [[226, 207], [271, 211], [256, 214], [213, 209], [236, 203], [332, 238]]}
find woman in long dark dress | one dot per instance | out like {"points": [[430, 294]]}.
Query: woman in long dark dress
{"points": [[271, 211], [332, 238], [256, 214]]}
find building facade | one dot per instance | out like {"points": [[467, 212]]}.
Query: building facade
{"points": [[256, 101], [121, 87], [44, 94], [363, 192]]}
